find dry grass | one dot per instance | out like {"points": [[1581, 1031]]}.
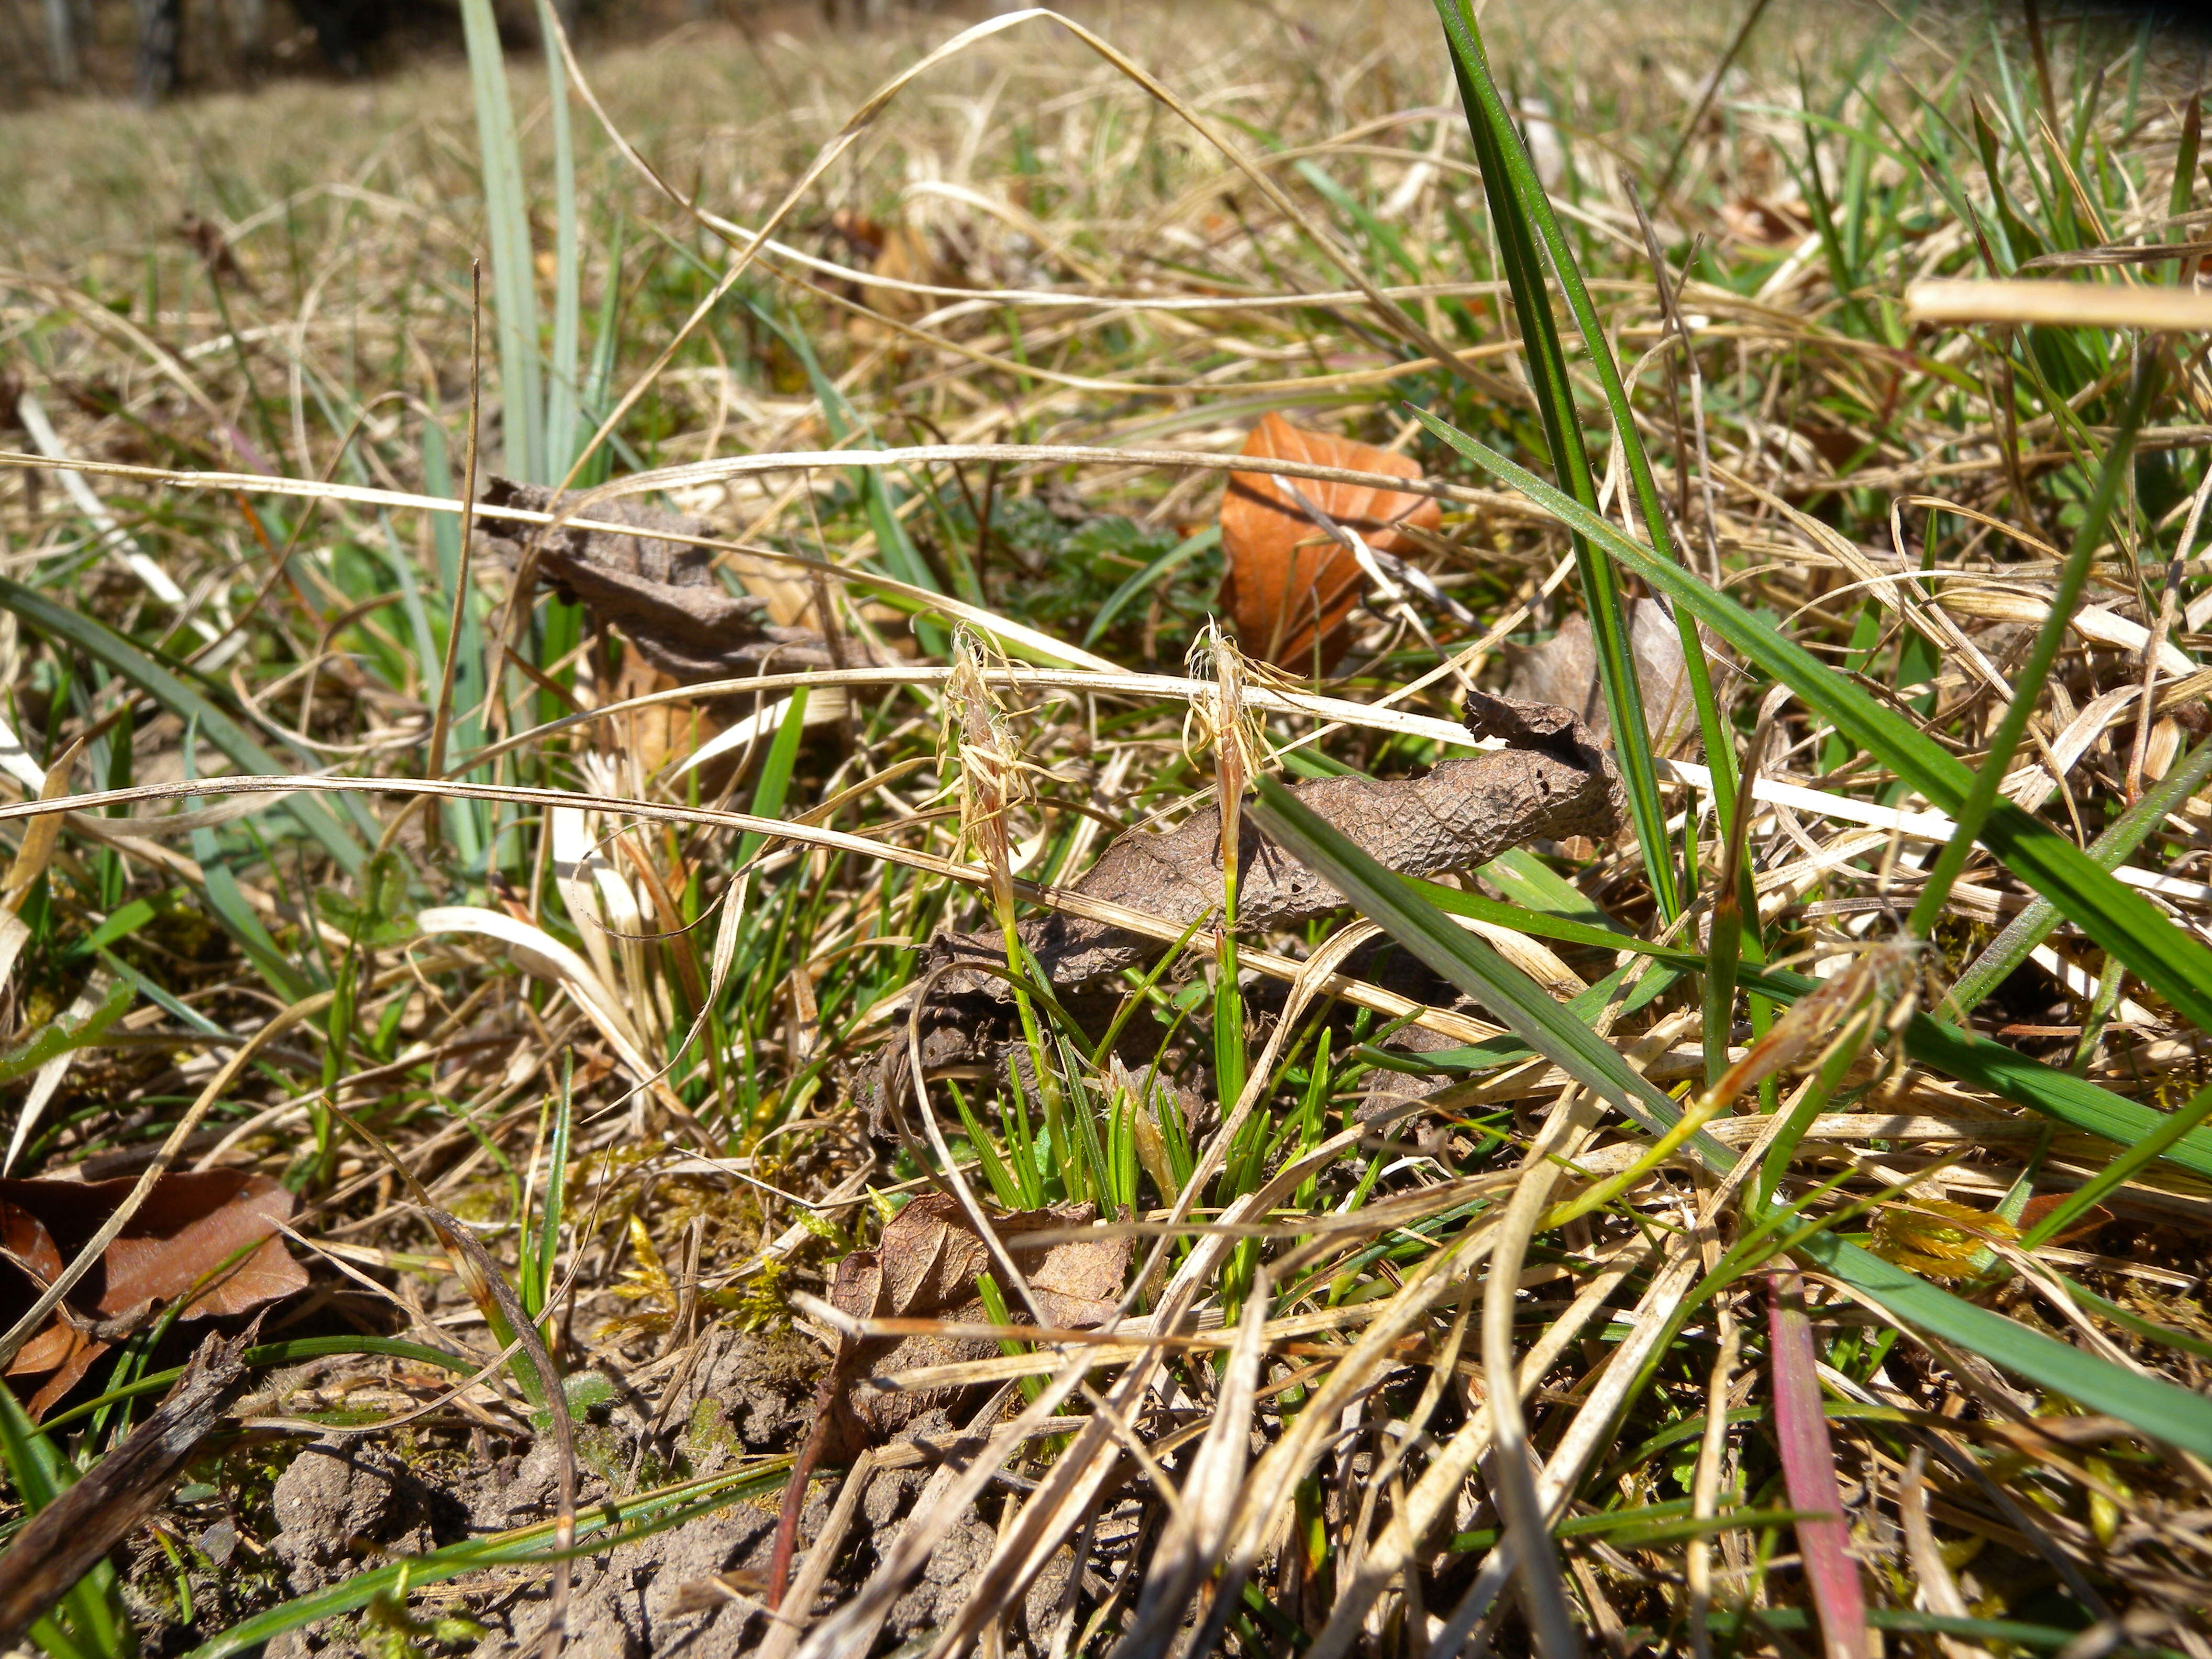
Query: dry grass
{"points": [[587, 982]]}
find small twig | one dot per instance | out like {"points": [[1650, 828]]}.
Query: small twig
{"points": [[64, 1540]]}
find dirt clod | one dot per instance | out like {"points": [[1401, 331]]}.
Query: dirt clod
{"points": [[344, 1497], [629, 1602], [751, 1390]]}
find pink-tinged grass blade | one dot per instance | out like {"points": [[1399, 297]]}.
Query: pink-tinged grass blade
{"points": [[1808, 1471]]}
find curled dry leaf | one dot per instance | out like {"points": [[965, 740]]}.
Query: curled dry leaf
{"points": [[661, 593], [1552, 781], [1562, 670], [211, 1236], [1290, 587]]}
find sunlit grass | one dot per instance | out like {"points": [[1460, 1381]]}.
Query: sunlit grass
{"points": [[1922, 576]]}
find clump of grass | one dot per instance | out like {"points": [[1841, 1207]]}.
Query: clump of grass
{"points": [[1912, 930]]}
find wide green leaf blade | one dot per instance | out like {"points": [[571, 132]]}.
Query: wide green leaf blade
{"points": [[1499, 153], [2173, 1414], [1516, 1000], [1530, 203]]}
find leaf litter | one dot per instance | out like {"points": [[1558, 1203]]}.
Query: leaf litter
{"points": [[1142, 1125], [203, 1246]]}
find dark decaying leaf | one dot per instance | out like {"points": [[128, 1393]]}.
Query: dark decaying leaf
{"points": [[662, 594], [1289, 586], [177, 1245], [1563, 669], [927, 1267]]}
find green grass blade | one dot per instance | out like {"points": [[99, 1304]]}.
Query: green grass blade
{"points": [[2173, 1414], [2121, 836], [775, 775], [1517, 1001], [61, 1035], [507, 217], [893, 545], [2139, 1156], [2073, 1101], [101, 642], [556, 1192], [89, 1619], [562, 392], [1497, 148], [1158, 571], [2029, 678], [1534, 202], [2169, 961], [295, 1351], [1940, 1047], [227, 900]]}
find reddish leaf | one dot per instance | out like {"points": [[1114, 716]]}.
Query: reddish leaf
{"points": [[1290, 587], [1809, 1471], [189, 1226], [2089, 1222], [24, 1241], [30, 1249]]}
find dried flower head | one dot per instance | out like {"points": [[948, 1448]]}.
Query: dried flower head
{"points": [[1222, 721], [976, 733]]}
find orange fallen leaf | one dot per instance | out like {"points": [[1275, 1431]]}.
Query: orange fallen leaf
{"points": [[1290, 587], [211, 1236]]}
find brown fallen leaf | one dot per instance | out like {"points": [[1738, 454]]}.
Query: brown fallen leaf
{"points": [[2087, 1224], [1550, 781], [661, 593], [898, 251], [1289, 586], [177, 1245], [1562, 670], [925, 1267]]}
